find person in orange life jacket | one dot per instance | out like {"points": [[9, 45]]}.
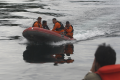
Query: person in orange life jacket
{"points": [[68, 30], [44, 24], [104, 67], [38, 23], [58, 28]]}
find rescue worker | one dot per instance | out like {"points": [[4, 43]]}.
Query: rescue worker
{"points": [[58, 26], [44, 24], [38, 23], [104, 67], [68, 30]]}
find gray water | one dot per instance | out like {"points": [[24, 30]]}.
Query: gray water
{"points": [[94, 22]]}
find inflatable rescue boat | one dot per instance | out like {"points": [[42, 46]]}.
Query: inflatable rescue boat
{"points": [[36, 34]]}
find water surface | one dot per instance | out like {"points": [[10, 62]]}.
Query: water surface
{"points": [[94, 22]]}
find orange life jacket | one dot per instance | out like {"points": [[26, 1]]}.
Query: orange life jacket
{"points": [[69, 29], [110, 72], [37, 24], [61, 26], [58, 26]]}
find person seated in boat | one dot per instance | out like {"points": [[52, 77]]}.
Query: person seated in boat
{"points": [[38, 23], [45, 26], [68, 29], [58, 26], [104, 67]]}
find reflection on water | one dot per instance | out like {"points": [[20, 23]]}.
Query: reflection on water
{"points": [[47, 53]]}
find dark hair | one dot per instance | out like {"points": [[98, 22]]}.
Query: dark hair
{"points": [[39, 18], [67, 22], [44, 22], [105, 55], [54, 19]]}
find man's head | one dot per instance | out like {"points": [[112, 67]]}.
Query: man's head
{"points": [[39, 19], [67, 23], [54, 20], [44, 23], [104, 55]]}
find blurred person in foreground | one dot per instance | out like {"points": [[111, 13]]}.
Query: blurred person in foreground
{"points": [[104, 67]]}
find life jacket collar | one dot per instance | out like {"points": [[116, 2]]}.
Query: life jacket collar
{"points": [[109, 72]]}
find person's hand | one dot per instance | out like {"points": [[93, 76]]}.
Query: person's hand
{"points": [[93, 66], [65, 27]]}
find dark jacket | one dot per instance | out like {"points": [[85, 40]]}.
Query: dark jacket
{"points": [[46, 27]]}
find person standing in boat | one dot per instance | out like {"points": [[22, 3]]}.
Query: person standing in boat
{"points": [[58, 26], [44, 24], [68, 30], [38, 23]]}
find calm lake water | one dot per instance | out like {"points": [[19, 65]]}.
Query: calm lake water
{"points": [[94, 22]]}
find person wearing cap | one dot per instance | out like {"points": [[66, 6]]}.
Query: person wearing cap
{"points": [[68, 29], [38, 23], [58, 26]]}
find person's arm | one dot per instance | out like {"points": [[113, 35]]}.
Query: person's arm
{"points": [[93, 66], [92, 76], [69, 29], [41, 26], [55, 27], [65, 28]]}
